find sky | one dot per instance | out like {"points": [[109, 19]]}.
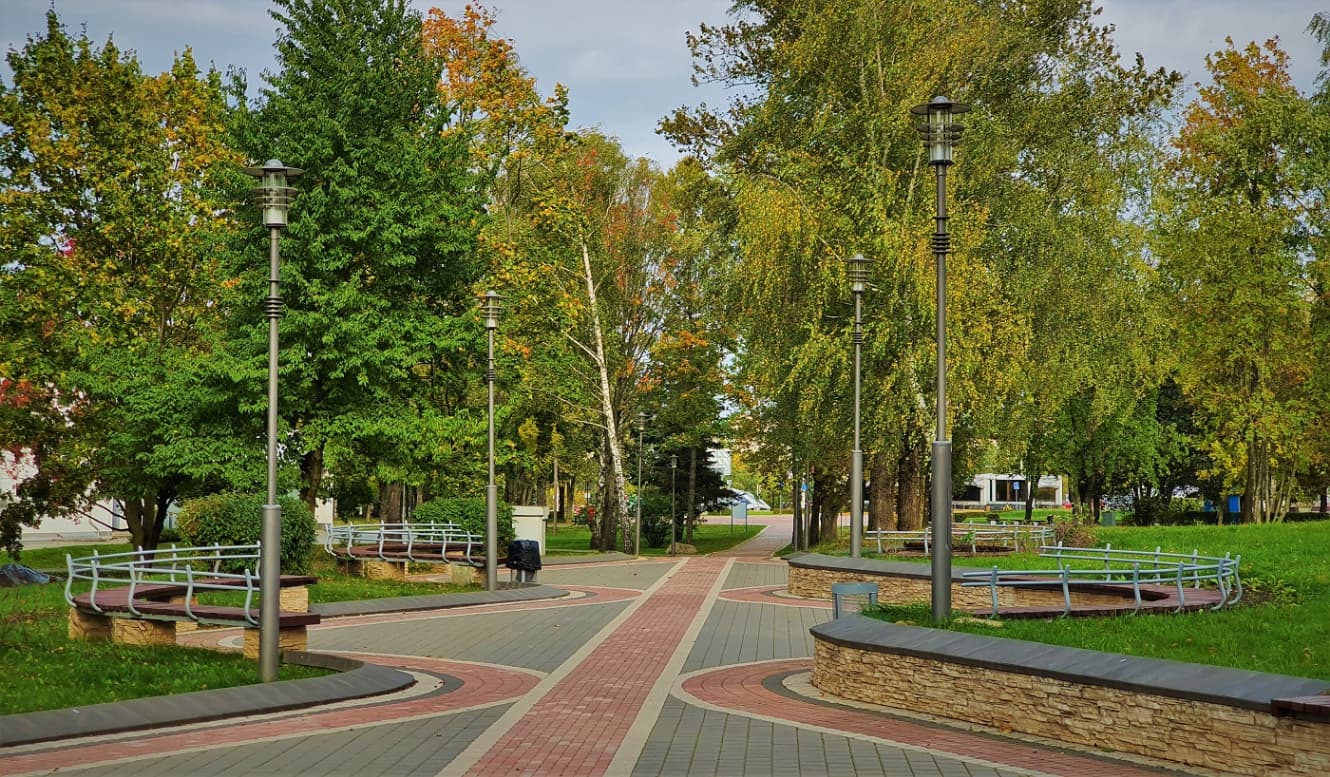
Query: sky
{"points": [[625, 62]]}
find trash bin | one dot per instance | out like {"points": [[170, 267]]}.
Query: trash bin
{"points": [[841, 592], [1108, 518], [524, 559]]}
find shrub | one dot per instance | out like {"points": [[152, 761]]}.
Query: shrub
{"points": [[1074, 535], [468, 513], [655, 519], [237, 519]]}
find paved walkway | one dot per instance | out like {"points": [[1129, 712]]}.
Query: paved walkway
{"points": [[651, 668]]}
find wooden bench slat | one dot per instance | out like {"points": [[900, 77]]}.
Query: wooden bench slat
{"points": [[148, 601]]}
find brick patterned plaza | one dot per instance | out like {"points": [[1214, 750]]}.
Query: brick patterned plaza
{"points": [[660, 667]]}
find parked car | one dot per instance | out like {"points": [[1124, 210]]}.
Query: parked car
{"points": [[731, 496]]}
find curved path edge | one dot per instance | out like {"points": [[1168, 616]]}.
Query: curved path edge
{"points": [[354, 680]]}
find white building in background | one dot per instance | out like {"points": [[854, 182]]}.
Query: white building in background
{"points": [[1006, 489], [103, 519]]}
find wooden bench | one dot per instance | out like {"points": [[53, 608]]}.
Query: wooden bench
{"points": [[144, 597], [154, 613], [1305, 707], [384, 551]]}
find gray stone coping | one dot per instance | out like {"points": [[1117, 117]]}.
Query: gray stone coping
{"points": [[517, 593], [870, 566], [353, 680], [1161, 677]]}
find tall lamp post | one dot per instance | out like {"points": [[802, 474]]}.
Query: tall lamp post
{"points": [[637, 530], [274, 198], [491, 307], [857, 269], [674, 469], [940, 133]]}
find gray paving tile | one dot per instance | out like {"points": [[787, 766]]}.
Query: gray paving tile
{"points": [[683, 742], [535, 639], [637, 576], [737, 632], [409, 748], [749, 575]]}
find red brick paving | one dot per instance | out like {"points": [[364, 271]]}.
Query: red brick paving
{"points": [[481, 685], [577, 727], [739, 689]]}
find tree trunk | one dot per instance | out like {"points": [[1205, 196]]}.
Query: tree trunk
{"points": [[828, 510], [390, 504], [134, 521], [311, 477], [154, 529], [910, 487], [796, 505], [605, 527], [1031, 486], [882, 493], [617, 498], [690, 514]]}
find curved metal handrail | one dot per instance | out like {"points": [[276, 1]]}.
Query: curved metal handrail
{"points": [[1120, 567]]}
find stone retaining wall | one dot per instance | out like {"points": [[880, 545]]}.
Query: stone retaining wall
{"points": [[811, 576], [1194, 716]]}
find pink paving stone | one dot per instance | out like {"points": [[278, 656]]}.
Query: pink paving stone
{"points": [[594, 706]]}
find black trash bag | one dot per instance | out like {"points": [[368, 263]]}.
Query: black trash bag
{"points": [[523, 555]]}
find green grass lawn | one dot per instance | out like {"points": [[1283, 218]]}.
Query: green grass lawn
{"points": [[1282, 625], [44, 669], [713, 536]]}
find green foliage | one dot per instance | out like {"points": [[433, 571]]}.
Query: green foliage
{"points": [[468, 513], [1233, 220], [109, 182], [237, 519], [655, 519], [820, 162], [379, 338]]}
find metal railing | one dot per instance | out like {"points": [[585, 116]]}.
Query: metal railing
{"points": [[424, 542], [1013, 536], [1134, 568], [198, 569]]}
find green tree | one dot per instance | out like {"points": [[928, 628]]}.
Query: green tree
{"points": [[823, 163], [110, 228], [380, 254], [1231, 239], [584, 253]]}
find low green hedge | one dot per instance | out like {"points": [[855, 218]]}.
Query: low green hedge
{"points": [[237, 519], [468, 513]]}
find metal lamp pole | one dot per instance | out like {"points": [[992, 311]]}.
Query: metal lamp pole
{"points": [[940, 133], [274, 198], [491, 307], [637, 531], [857, 269], [674, 469]]}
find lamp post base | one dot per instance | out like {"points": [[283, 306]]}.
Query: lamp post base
{"points": [[941, 509]]}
